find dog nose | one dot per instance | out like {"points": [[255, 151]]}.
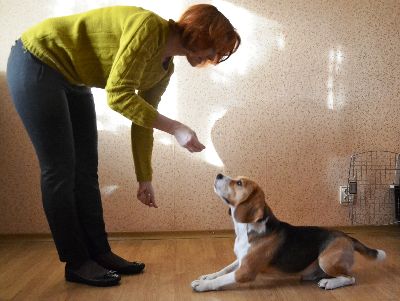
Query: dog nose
{"points": [[219, 176]]}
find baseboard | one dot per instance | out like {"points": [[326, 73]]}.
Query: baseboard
{"points": [[115, 236], [128, 235]]}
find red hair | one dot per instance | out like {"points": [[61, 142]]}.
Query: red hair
{"points": [[203, 26]]}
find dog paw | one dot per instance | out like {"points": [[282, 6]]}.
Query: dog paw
{"points": [[201, 285], [208, 277], [337, 282]]}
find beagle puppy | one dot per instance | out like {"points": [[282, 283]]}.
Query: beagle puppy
{"points": [[264, 243]]}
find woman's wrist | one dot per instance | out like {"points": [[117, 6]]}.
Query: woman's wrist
{"points": [[165, 124]]}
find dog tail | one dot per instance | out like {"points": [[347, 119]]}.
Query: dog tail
{"points": [[376, 254]]}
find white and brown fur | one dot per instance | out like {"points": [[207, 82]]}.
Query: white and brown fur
{"points": [[264, 243]]}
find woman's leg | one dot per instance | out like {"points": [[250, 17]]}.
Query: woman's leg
{"points": [[87, 193], [40, 100]]}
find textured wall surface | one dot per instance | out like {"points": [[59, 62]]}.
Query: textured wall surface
{"points": [[312, 83]]}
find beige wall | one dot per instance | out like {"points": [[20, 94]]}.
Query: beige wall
{"points": [[312, 83]]}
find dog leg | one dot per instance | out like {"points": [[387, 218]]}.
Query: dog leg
{"points": [[336, 261], [230, 268], [313, 272], [241, 275], [214, 284]]}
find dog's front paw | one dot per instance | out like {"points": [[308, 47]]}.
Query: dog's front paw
{"points": [[208, 276], [201, 285]]}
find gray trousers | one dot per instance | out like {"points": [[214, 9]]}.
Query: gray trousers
{"points": [[60, 119]]}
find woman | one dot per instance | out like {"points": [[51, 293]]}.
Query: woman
{"points": [[129, 52]]}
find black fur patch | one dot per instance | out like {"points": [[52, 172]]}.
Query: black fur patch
{"points": [[301, 246]]}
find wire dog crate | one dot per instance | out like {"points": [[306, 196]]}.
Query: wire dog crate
{"points": [[373, 181]]}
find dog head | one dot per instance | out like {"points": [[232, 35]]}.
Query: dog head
{"points": [[244, 197]]}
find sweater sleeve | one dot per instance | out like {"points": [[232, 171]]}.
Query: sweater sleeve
{"points": [[141, 137], [138, 45]]}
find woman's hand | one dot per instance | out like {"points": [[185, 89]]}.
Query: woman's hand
{"points": [[145, 194], [187, 138]]}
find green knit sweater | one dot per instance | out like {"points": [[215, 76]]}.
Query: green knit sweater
{"points": [[119, 49]]}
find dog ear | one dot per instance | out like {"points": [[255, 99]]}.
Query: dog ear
{"points": [[252, 209]]}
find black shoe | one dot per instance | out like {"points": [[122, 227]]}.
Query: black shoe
{"points": [[114, 262], [91, 273]]}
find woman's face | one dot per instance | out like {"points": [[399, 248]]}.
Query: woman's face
{"points": [[200, 57]]}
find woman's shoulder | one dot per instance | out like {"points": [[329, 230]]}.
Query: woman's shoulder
{"points": [[132, 12], [145, 23]]}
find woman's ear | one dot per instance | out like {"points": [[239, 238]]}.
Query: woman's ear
{"points": [[252, 209]]}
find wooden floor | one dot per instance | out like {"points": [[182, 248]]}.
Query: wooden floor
{"points": [[30, 270]]}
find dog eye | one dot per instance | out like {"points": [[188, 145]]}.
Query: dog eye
{"points": [[239, 183]]}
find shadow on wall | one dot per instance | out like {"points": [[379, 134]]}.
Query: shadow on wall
{"points": [[298, 160], [19, 182]]}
